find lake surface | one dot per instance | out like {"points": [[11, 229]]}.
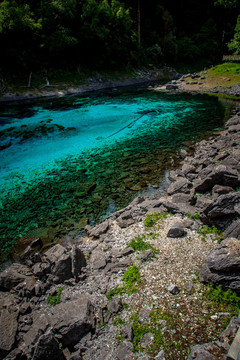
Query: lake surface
{"points": [[72, 161]]}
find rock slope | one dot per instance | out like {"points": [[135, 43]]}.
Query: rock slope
{"points": [[75, 303]]}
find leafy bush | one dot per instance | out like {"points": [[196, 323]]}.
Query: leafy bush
{"points": [[205, 230], [130, 280], [220, 296], [55, 299], [152, 219], [140, 244]]}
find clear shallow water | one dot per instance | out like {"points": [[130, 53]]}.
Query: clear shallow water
{"points": [[68, 162]]}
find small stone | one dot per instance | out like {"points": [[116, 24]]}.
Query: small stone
{"points": [[189, 286], [173, 289], [177, 230]]}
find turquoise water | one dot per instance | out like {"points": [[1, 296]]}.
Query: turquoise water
{"points": [[71, 161]]}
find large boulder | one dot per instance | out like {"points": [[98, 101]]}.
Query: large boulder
{"points": [[224, 205], [223, 265], [8, 321], [14, 275], [47, 348], [72, 320], [220, 175]]}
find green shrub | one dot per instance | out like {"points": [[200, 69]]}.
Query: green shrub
{"points": [[130, 280], [205, 230], [140, 244], [226, 297], [152, 219], [55, 299]]}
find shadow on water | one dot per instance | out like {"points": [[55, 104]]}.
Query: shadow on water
{"points": [[132, 157]]}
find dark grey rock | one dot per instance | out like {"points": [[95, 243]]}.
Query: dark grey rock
{"points": [[78, 262], [47, 348], [220, 190], [53, 254], [14, 275], [222, 206], [72, 320], [125, 219], [97, 230], [62, 268], [223, 265], [233, 230], [202, 352], [98, 259], [176, 230], [173, 289], [221, 175], [8, 321], [124, 350], [127, 332], [180, 186], [146, 255], [40, 324], [115, 305]]}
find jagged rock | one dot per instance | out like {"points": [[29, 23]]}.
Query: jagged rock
{"points": [[98, 259], [176, 230], [97, 230], [222, 206], [40, 324], [173, 289], [180, 186], [171, 86], [125, 219], [221, 175], [202, 352], [8, 321], [52, 255], [47, 348], [223, 265], [78, 261], [233, 230], [146, 340], [115, 305], [15, 275], [72, 320], [227, 336], [220, 190], [146, 255], [127, 332], [124, 350], [28, 253]]}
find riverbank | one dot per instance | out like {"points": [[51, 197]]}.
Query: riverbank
{"points": [[160, 309], [91, 84]]}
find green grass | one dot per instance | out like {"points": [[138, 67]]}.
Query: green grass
{"points": [[205, 230], [152, 219], [226, 68], [131, 279], [227, 299], [55, 299], [139, 243]]}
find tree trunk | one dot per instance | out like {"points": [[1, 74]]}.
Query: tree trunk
{"points": [[29, 80], [47, 80], [139, 22]]}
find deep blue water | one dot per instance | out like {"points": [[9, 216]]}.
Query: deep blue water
{"points": [[70, 161]]}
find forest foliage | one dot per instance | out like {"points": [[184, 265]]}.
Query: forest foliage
{"points": [[106, 34]]}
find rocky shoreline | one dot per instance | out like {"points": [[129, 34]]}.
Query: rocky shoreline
{"points": [[97, 314]]}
